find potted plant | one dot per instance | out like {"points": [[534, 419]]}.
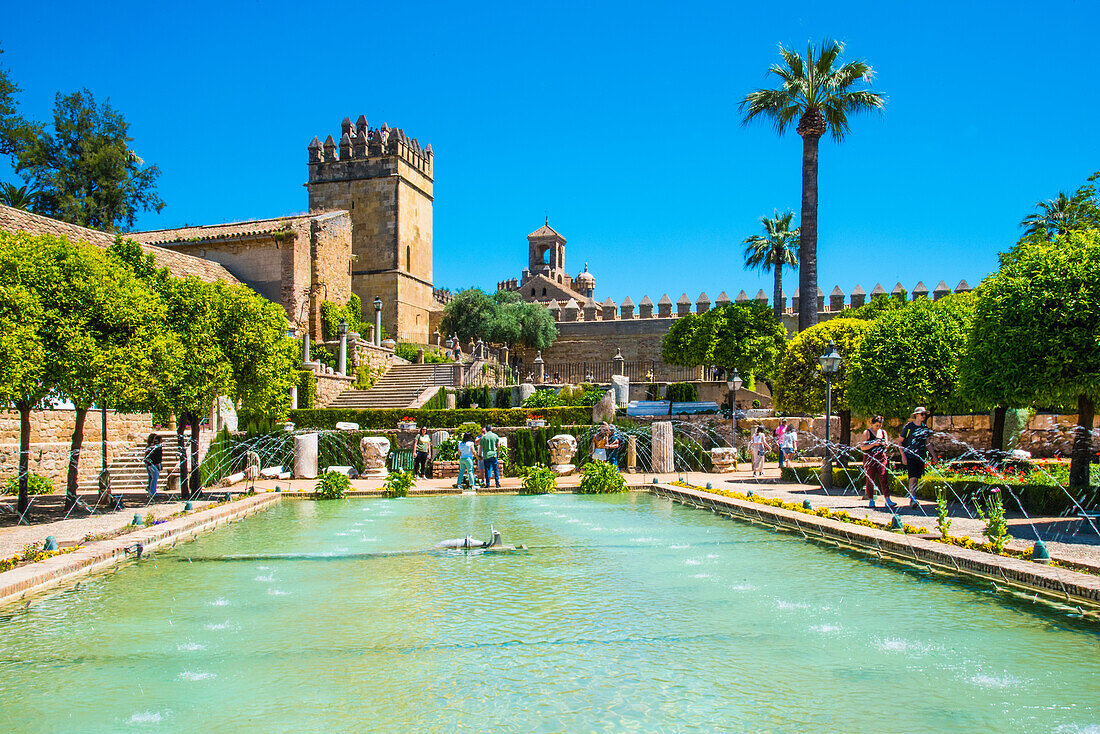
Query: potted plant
{"points": [[406, 424], [536, 421]]}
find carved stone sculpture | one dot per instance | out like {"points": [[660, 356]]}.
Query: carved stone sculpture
{"points": [[374, 450], [251, 465], [562, 449], [724, 459]]}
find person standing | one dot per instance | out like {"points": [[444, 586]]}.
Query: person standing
{"points": [[423, 451], [790, 441], [874, 445], [466, 461], [489, 441], [779, 431], [914, 450], [153, 458], [759, 447]]}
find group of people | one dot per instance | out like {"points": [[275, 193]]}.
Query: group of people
{"points": [[482, 451], [607, 444], [786, 443], [913, 441]]}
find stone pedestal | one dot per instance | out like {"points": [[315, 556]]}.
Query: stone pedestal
{"points": [[621, 385], [374, 449], [450, 400], [724, 459], [663, 456], [251, 465], [305, 456], [562, 449], [631, 454]]}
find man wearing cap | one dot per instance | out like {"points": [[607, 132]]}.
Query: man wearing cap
{"points": [[914, 449]]}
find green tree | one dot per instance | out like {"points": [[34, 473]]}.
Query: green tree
{"points": [[818, 93], [469, 314], [877, 306], [1034, 337], [1064, 213], [910, 357], [20, 197], [800, 383], [23, 378], [778, 246], [85, 171], [743, 336], [15, 132]]}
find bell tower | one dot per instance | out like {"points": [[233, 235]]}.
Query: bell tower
{"points": [[546, 250]]}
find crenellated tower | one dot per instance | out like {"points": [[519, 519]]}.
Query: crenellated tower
{"points": [[383, 179]]}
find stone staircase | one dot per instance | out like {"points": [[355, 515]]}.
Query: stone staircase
{"points": [[127, 471], [400, 387]]}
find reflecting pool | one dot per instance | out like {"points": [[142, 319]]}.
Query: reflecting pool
{"points": [[628, 613]]}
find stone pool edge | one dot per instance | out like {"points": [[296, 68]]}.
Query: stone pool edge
{"points": [[1055, 584], [20, 583]]}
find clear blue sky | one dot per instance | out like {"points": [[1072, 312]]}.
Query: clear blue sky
{"points": [[620, 119]]}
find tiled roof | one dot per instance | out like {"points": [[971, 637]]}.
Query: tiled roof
{"points": [[229, 230], [545, 231], [178, 264]]}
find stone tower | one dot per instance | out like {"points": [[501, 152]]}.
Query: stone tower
{"points": [[547, 253], [383, 179]]}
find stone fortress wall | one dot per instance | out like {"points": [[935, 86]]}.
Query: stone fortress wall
{"points": [[589, 331]]}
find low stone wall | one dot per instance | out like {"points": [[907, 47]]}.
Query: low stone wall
{"points": [[330, 386], [51, 436]]}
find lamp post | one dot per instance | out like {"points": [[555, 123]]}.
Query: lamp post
{"points": [[377, 321], [342, 360], [830, 365], [734, 384]]}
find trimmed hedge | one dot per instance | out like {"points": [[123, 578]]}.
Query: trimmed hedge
{"points": [[307, 388], [1037, 499], [388, 418]]}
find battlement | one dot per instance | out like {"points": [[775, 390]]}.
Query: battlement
{"points": [[359, 146], [836, 303]]}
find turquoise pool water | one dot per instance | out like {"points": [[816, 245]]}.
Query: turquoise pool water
{"points": [[628, 614]]}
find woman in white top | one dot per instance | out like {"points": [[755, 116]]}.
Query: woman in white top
{"points": [[759, 447], [466, 461]]}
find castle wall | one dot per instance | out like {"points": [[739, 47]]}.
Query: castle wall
{"points": [[330, 245]]}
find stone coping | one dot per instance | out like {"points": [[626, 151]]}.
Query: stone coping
{"points": [[20, 583], [1056, 584]]}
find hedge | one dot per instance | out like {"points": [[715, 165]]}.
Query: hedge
{"points": [[307, 388], [388, 418], [1037, 499]]}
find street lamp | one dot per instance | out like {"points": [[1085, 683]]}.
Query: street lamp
{"points": [[734, 384], [830, 365], [377, 321]]}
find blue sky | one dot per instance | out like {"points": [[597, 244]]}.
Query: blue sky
{"points": [[619, 119]]}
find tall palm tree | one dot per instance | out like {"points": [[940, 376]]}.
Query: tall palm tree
{"points": [[1062, 213], [818, 93], [20, 197], [776, 248]]}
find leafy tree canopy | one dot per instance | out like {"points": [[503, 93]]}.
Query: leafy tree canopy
{"points": [[800, 383], [1035, 338], [1064, 213], [743, 336], [503, 317], [872, 309], [84, 171], [911, 356]]}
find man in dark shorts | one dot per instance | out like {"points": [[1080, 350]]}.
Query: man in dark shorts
{"points": [[914, 450]]}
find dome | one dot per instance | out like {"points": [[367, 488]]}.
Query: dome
{"points": [[586, 278]]}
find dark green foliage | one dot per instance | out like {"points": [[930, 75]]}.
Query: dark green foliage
{"points": [[539, 480], [219, 460], [682, 392], [653, 391], [36, 484], [503, 318], [331, 313], [437, 401], [376, 419], [599, 477], [504, 398], [746, 336], [543, 399], [332, 486], [318, 353], [800, 385], [307, 389]]}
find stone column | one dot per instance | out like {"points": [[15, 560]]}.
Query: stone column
{"points": [[342, 358], [378, 328], [451, 400], [294, 397], [663, 457], [305, 456], [540, 367], [617, 363], [305, 348], [631, 454]]}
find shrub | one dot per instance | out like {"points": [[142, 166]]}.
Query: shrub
{"points": [[307, 389], [406, 351], [36, 484], [387, 418], [601, 478], [218, 462], [468, 427], [332, 486], [437, 401], [682, 392], [539, 479], [653, 391], [543, 399], [398, 483], [504, 398], [448, 450]]}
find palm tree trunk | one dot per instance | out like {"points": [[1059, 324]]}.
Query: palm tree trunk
{"points": [[777, 293], [807, 269], [1082, 443], [71, 479], [23, 503]]}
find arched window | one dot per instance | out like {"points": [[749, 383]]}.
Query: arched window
{"points": [[544, 291]]}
